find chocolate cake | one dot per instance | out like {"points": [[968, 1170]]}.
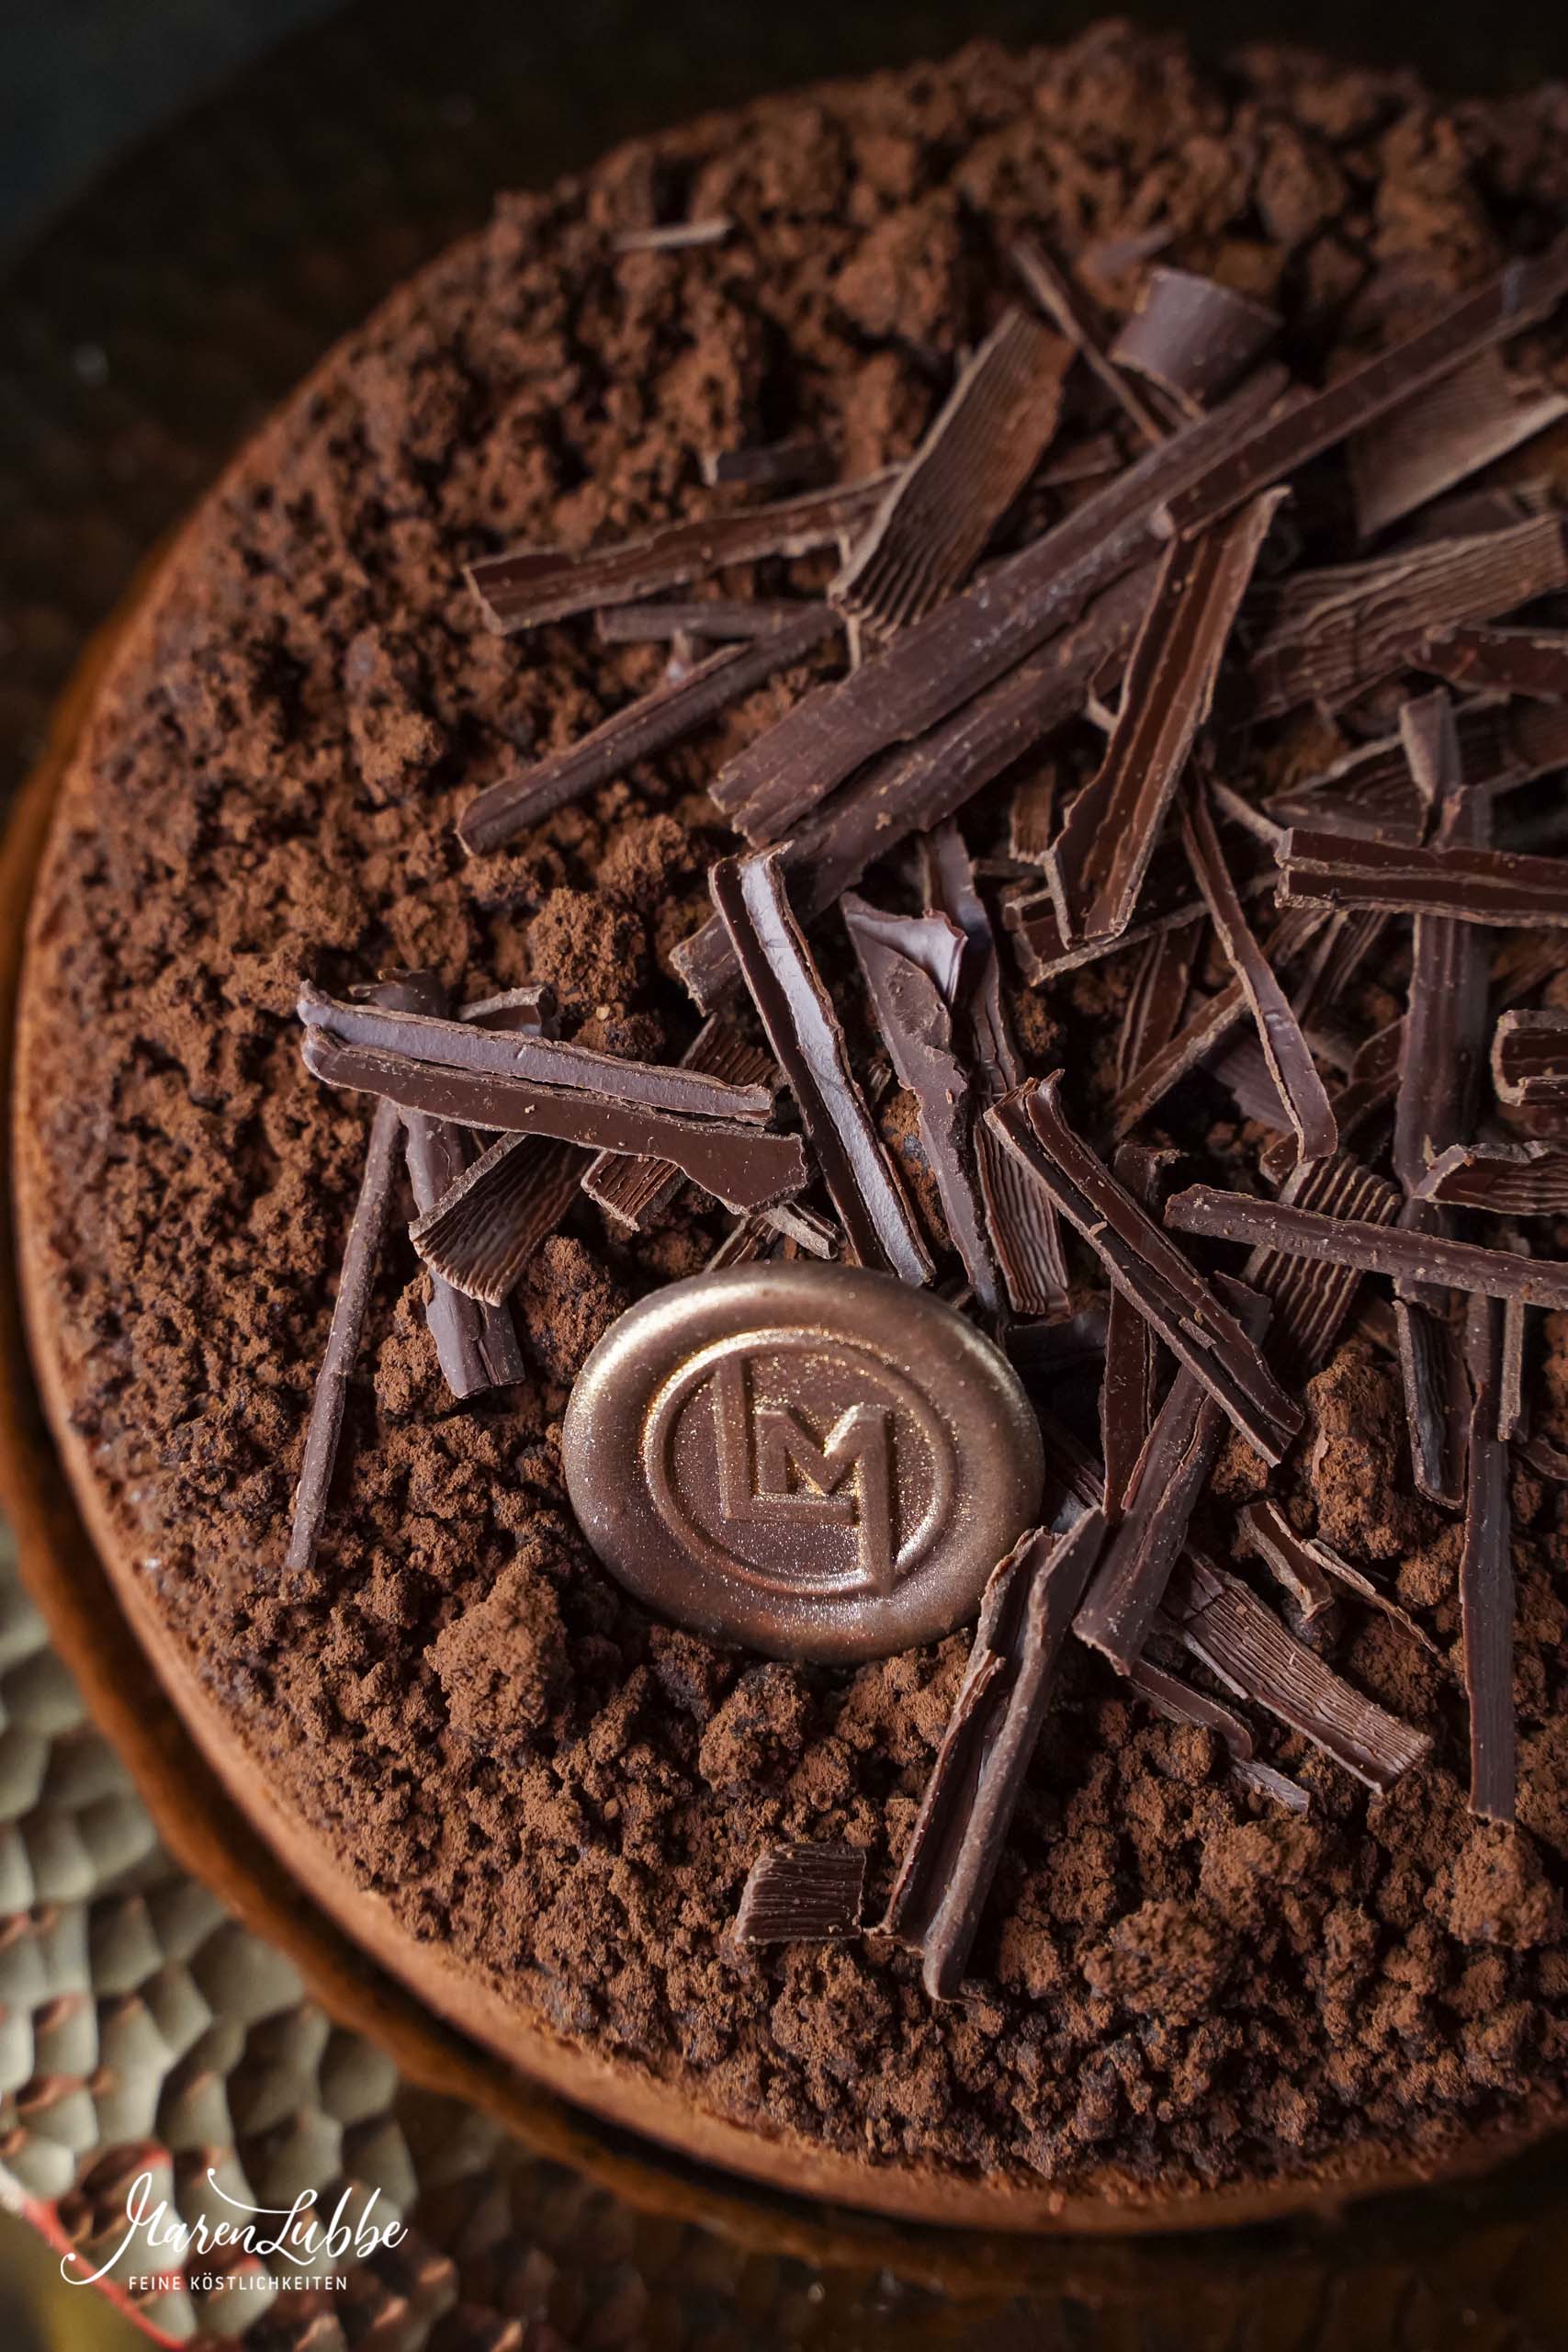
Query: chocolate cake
{"points": [[941, 702]]}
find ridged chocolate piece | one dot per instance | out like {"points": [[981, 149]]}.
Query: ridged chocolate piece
{"points": [[960, 1832], [741, 1165], [1342, 630], [675, 709], [1228, 1628], [1370, 790], [361, 1252], [1070, 309], [1098, 859], [797, 1894], [1192, 337], [1127, 1388], [1408, 1257], [982, 449], [808, 1045], [1308, 1567], [1504, 1179], [1429, 1345], [1491, 886], [1530, 1062], [534, 584], [1426, 445], [632, 1190], [1486, 1577], [1286, 1051], [480, 1234], [1307, 424], [1312, 1298], [1179, 1702], [1157, 998], [1165, 1288]]}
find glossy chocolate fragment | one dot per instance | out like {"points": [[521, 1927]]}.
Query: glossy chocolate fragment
{"points": [[815, 1461], [1192, 337], [631, 1190], [1490, 886], [1486, 1576], [960, 1832], [802, 1894], [1409, 1257], [1530, 1062], [1127, 1390]]}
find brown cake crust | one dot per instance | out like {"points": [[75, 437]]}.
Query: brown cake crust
{"points": [[454, 1711]]}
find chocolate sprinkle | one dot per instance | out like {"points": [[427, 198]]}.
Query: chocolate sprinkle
{"points": [[1168, 1292], [960, 1832], [1408, 1257], [362, 1249], [534, 584], [802, 1894], [985, 444], [1101, 854], [802, 1029], [675, 709]]}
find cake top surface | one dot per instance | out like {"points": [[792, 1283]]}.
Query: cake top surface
{"points": [[1259, 1908]]}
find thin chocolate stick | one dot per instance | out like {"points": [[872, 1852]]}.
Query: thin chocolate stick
{"points": [[717, 618], [675, 709], [1136, 1561], [1486, 1580], [362, 1249], [533, 584], [1375, 1250], [1189, 1317], [1501, 660], [1491, 886], [961, 1830], [1179, 1702], [808, 1045], [1315, 1567], [1132, 1357], [1152, 1014], [1069, 310], [1099, 858]]}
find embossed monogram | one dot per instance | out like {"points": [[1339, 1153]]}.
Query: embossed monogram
{"points": [[763, 1449]]}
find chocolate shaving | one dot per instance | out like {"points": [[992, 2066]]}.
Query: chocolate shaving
{"points": [[1179, 1702], [631, 1190], [673, 236], [925, 672], [754, 1237], [1312, 1298], [1506, 1179], [362, 1249], [1291, 1559], [1530, 1062], [920, 786], [802, 1894], [1192, 337], [1426, 445], [1168, 1292], [1032, 816], [960, 1833], [1500, 661], [768, 465], [481, 1231], [1127, 1401], [743, 1165], [1186, 1050], [529, 1009], [808, 1045], [1486, 1577], [475, 1342], [982, 449], [1071, 312], [1307, 424], [1491, 886], [1432, 1374], [910, 967], [1409, 1258], [816, 1237], [1342, 630], [1020, 1218], [466, 1046], [1445, 1029], [1172, 1471], [1100, 856], [1152, 1013], [716, 618], [530, 585], [1513, 1413], [1344, 944], [1370, 790], [676, 707], [1167, 898], [1219, 1621], [1286, 1051]]}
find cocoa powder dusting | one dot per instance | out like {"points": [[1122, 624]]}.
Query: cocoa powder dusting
{"points": [[1176, 1982]]}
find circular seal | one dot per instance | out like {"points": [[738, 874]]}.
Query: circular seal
{"points": [[818, 1462]]}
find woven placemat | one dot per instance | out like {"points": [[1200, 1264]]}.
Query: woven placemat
{"points": [[143, 2029]]}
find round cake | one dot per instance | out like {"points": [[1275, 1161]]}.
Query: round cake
{"points": [[942, 698]]}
